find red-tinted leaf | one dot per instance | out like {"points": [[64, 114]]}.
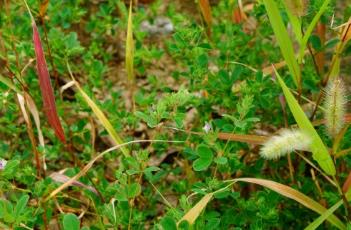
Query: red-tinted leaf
{"points": [[45, 86]]}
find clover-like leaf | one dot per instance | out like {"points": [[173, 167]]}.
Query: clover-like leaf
{"points": [[205, 158]]}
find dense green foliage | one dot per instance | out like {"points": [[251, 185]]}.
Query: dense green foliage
{"points": [[191, 86]]}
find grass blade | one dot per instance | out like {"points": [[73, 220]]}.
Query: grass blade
{"points": [[295, 21], [35, 113], [283, 190], [319, 151], [297, 196], [130, 47], [62, 178], [315, 224], [345, 36], [310, 28], [9, 84], [46, 88], [101, 116], [45, 84], [283, 39]]}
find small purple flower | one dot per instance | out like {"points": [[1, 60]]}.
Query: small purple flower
{"points": [[2, 164], [207, 128]]}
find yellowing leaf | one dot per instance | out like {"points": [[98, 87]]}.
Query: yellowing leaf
{"points": [[297, 196], [100, 115], [319, 151], [35, 113], [130, 47], [315, 224], [195, 211]]}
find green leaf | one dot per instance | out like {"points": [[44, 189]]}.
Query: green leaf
{"points": [[71, 222], [9, 84], [168, 223], [316, 42], [319, 151], [315, 224], [20, 206], [295, 22], [310, 28], [221, 160], [283, 39], [11, 168], [205, 158], [149, 119], [6, 211], [134, 190]]}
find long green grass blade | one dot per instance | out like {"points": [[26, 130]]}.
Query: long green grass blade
{"points": [[295, 23], [310, 28], [319, 151], [283, 39], [315, 224]]}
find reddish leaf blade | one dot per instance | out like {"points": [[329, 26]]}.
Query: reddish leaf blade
{"points": [[45, 86]]}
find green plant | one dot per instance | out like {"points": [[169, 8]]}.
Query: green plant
{"points": [[159, 130]]}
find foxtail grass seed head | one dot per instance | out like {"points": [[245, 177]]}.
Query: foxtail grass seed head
{"points": [[335, 106], [284, 143], [297, 7]]}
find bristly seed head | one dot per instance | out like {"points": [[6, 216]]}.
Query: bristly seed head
{"points": [[297, 7], [284, 143], [335, 103]]}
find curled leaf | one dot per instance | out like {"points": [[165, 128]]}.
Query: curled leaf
{"points": [[62, 178]]}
